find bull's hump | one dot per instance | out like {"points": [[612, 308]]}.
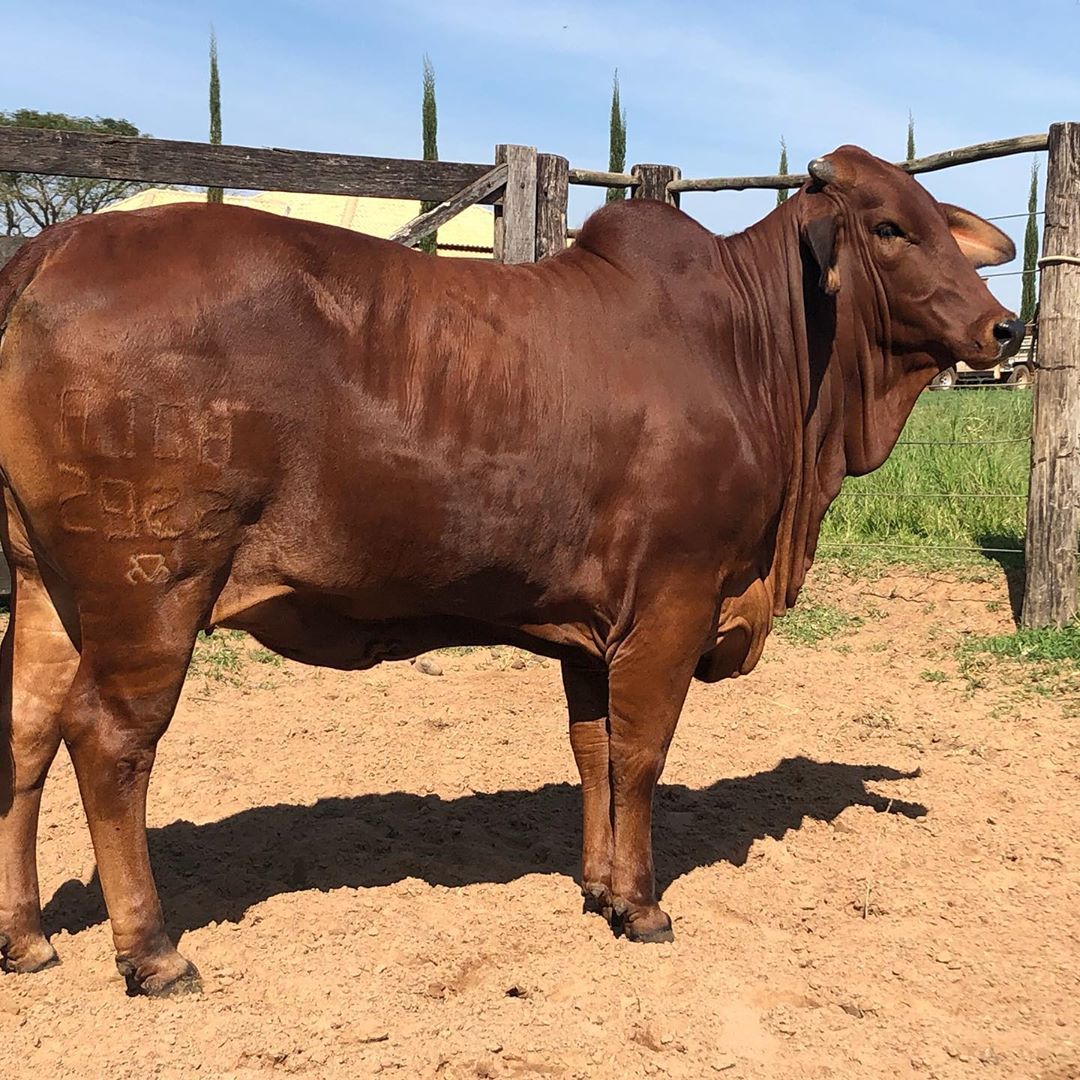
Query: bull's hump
{"points": [[644, 232]]}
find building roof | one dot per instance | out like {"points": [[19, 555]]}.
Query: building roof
{"points": [[474, 227]]}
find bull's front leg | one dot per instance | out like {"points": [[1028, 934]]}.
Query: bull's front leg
{"points": [[649, 676], [587, 702]]}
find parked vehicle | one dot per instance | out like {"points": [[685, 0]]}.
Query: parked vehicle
{"points": [[1017, 372]]}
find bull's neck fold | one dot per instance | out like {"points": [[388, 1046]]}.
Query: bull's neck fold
{"points": [[828, 363]]}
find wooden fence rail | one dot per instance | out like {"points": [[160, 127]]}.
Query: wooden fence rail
{"points": [[594, 178], [167, 161], [412, 232], [965, 155]]}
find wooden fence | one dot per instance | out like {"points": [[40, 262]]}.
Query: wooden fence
{"points": [[529, 192]]}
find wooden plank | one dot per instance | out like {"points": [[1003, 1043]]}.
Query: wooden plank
{"points": [[412, 232], [167, 161], [965, 155], [515, 217], [552, 191], [653, 181], [1050, 594]]}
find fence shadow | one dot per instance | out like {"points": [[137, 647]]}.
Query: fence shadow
{"points": [[215, 872], [1012, 566]]}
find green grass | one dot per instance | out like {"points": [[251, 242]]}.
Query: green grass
{"points": [[225, 657], [811, 621], [1043, 662], [868, 512], [219, 657], [1032, 646]]}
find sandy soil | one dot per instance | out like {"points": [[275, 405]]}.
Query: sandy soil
{"points": [[871, 862]]}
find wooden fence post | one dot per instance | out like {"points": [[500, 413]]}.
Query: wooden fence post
{"points": [[552, 191], [1050, 592], [515, 217], [654, 182]]}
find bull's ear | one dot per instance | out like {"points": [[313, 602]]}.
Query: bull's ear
{"points": [[983, 244], [821, 235]]}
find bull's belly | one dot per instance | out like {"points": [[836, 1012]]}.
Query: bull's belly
{"points": [[339, 632], [320, 630]]}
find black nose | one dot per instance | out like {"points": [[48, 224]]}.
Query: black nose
{"points": [[1009, 333]]}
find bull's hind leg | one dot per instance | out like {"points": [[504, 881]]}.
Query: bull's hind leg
{"points": [[132, 668], [37, 665], [587, 701]]}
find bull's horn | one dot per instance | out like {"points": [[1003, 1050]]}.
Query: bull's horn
{"points": [[822, 171]]}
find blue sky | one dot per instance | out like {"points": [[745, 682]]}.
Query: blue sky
{"points": [[710, 87]]}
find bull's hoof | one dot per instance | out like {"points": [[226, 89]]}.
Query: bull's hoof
{"points": [[24, 958], [597, 901], [646, 926], [171, 976], [650, 937]]}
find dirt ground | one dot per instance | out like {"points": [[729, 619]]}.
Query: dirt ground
{"points": [[872, 860]]}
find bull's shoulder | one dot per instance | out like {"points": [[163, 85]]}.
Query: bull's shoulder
{"points": [[642, 232]]}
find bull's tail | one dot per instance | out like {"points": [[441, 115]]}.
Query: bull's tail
{"points": [[22, 268], [15, 275]]}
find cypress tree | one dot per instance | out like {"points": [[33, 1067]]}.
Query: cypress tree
{"points": [[430, 123], [910, 136], [214, 194], [616, 139], [782, 194], [1028, 298]]}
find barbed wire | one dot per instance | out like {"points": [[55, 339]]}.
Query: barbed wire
{"points": [[1005, 217], [962, 442], [972, 387], [933, 494], [929, 544]]}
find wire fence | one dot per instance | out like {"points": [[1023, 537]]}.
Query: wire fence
{"points": [[956, 483]]}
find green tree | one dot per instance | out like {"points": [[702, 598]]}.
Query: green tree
{"points": [[1028, 299], [782, 194], [429, 114], [214, 194], [32, 201], [616, 140], [910, 137]]}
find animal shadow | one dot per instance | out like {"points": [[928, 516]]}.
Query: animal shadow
{"points": [[215, 872]]}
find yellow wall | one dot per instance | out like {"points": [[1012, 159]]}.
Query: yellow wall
{"points": [[474, 226]]}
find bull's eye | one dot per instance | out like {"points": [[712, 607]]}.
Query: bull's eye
{"points": [[889, 230]]}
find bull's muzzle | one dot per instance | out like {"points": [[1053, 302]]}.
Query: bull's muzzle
{"points": [[1009, 334]]}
